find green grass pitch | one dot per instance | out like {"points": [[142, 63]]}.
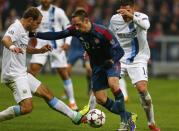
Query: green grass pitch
{"points": [[165, 94]]}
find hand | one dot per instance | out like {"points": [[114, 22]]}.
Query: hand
{"points": [[32, 34], [108, 63], [16, 49], [65, 47], [125, 12], [45, 48]]}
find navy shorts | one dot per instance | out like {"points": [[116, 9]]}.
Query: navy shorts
{"points": [[100, 76]]}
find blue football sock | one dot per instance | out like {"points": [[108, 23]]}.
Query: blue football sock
{"points": [[17, 110]]}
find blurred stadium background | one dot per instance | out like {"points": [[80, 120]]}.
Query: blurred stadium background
{"points": [[163, 34], [164, 65]]}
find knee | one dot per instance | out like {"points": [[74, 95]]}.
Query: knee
{"points": [[141, 86], [101, 100], [26, 108]]}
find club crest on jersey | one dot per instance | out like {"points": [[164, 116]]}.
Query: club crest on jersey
{"points": [[81, 38], [11, 32]]}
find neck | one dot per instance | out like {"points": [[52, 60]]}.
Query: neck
{"points": [[45, 7], [89, 26], [23, 22]]}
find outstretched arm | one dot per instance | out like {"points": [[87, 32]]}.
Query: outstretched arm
{"points": [[52, 35]]}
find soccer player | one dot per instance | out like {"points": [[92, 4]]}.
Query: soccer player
{"points": [[54, 19], [130, 29], [14, 71], [104, 53]]}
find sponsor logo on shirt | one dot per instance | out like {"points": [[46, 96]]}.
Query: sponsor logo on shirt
{"points": [[127, 35]]}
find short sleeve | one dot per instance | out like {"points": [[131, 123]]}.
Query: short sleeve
{"points": [[12, 33]]}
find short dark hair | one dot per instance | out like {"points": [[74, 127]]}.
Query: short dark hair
{"points": [[80, 13], [32, 12], [126, 2]]}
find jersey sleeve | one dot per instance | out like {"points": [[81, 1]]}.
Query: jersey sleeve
{"points": [[56, 35], [65, 24], [12, 32], [141, 20]]}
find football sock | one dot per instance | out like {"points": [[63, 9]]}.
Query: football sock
{"points": [[117, 106], [69, 90], [123, 88], [146, 102], [61, 107], [10, 113], [92, 101]]}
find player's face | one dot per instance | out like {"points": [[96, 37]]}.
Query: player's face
{"points": [[130, 9], [46, 3], [34, 24], [81, 25]]}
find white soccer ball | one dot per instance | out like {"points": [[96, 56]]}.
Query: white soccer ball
{"points": [[96, 118]]}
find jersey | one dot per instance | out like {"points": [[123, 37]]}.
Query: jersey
{"points": [[132, 37], [54, 19], [99, 43], [14, 65]]}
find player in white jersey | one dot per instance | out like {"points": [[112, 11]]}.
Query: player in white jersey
{"points": [[14, 70], [130, 28], [54, 19]]}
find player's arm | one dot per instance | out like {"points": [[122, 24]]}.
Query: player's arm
{"points": [[7, 42], [32, 50], [52, 35], [142, 21], [116, 51]]}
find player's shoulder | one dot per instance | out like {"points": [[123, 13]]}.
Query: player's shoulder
{"points": [[103, 30], [58, 9], [140, 14], [15, 26], [116, 17]]}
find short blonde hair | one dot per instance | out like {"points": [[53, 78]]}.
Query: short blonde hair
{"points": [[32, 12]]}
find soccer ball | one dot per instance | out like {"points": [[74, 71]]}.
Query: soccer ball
{"points": [[96, 118]]}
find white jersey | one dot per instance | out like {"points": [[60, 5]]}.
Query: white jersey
{"points": [[132, 37], [54, 19], [14, 65]]}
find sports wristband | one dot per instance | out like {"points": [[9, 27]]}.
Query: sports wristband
{"points": [[12, 47]]}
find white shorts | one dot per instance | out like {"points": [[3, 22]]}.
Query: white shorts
{"points": [[57, 58], [136, 72], [23, 87]]}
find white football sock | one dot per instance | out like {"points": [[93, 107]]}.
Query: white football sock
{"points": [[146, 102], [69, 90], [9, 113], [61, 107], [123, 88], [92, 101]]}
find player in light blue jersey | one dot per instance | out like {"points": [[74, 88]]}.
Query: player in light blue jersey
{"points": [[130, 28], [14, 71]]}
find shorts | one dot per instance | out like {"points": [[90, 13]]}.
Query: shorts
{"points": [[73, 56], [57, 58], [23, 87], [100, 76], [75, 52], [137, 72]]}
